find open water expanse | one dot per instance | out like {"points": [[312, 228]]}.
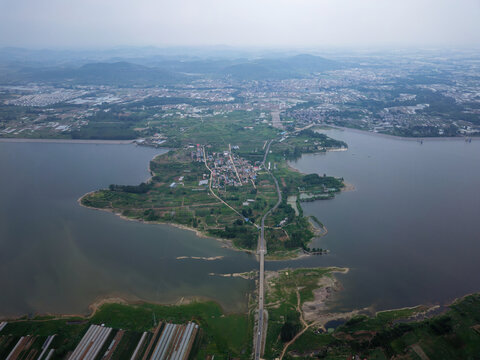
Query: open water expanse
{"points": [[56, 256], [410, 231]]}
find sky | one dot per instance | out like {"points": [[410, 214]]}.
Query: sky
{"points": [[241, 23]]}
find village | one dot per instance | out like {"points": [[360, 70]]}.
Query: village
{"points": [[228, 169]]}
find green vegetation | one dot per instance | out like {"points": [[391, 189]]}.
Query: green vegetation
{"points": [[186, 202], [69, 332], [402, 333], [285, 294], [307, 141], [222, 335], [297, 231], [408, 333], [105, 131], [389, 334], [177, 193]]}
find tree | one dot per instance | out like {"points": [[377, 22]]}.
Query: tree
{"points": [[290, 328], [150, 215]]}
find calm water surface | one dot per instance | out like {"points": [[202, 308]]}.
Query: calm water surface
{"points": [[409, 232], [56, 256]]}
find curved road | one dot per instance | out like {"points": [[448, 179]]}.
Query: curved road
{"points": [[210, 185], [262, 250]]}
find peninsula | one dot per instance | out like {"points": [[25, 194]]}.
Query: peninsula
{"points": [[231, 126], [221, 178]]}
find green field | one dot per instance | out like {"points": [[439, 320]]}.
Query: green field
{"points": [[222, 335]]}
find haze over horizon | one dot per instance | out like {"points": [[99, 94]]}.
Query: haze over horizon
{"points": [[266, 23]]}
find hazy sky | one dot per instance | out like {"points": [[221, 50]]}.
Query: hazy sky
{"points": [[272, 23]]}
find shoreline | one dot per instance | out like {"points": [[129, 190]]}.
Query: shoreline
{"points": [[225, 242], [95, 306], [318, 126], [348, 187], [325, 315], [66, 141], [395, 137]]}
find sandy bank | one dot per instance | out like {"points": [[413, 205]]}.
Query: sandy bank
{"points": [[211, 258], [317, 312], [245, 275], [348, 187]]}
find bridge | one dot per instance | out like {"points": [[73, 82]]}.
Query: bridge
{"points": [[259, 342]]}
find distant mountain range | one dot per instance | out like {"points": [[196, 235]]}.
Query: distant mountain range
{"points": [[290, 67], [116, 73], [21, 66]]}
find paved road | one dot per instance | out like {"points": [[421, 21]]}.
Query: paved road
{"points": [[210, 184], [262, 250]]}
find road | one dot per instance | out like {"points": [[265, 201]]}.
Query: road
{"points": [[233, 163], [262, 250], [210, 185]]}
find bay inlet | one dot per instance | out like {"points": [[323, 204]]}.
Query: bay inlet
{"points": [[409, 231], [59, 257]]}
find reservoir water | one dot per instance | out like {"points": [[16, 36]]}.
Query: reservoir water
{"points": [[409, 232], [58, 257]]}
